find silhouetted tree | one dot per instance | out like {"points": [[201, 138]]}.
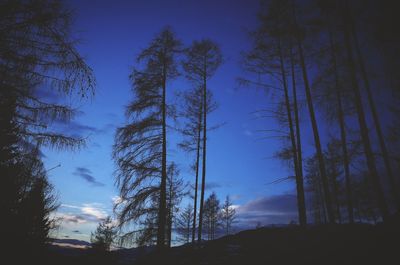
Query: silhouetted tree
{"points": [[272, 46], [39, 68], [212, 216], [104, 236], [193, 112], [175, 193], [370, 160], [227, 215], [140, 148], [202, 60], [184, 224]]}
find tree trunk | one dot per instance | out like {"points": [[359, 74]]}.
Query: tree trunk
{"points": [[343, 136], [363, 127], [300, 199], [162, 205], [386, 159], [321, 163], [197, 172], [203, 178], [299, 155]]}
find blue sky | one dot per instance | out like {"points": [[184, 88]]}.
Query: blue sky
{"points": [[112, 33]]}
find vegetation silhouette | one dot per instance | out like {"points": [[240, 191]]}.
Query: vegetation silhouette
{"points": [[325, 67]]}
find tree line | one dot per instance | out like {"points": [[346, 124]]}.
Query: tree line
{"points": [[149, 183], [323, 69], [37, 57], [322, 56]]}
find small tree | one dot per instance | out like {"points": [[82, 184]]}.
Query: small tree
{"points": [[183, 224], [227, 215], [212, 215], [104, 235]]}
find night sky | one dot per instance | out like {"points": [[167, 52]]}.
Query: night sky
{"points": [[240, 163]]}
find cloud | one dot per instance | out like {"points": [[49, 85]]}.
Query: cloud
{"points": [[71, 218], [211, 185], [277, 209], [76, 231], [87, 213], [246, 131], [94, 212], [86, 174]]}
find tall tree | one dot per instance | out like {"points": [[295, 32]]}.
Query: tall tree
{"points": [[372, 105], [269, 56], [371, 163], [317, 140], [140, 148], [39, 68], [193, 112], [202, 60]]}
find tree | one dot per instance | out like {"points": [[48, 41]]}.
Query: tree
{"points": [[202, 60], [227, 215], [140, 148], [371, 163], [104, 236], [272, 44], [39, 68], [184, 224], [310, 104], [38, 58], [192, 112], [212, 216], [176, 191]]}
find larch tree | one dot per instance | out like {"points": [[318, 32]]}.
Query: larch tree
{"points": [[270, 56], [41, 74], [202, 60], [184, 224], [228, 213], [140, 148], [212, 216]]}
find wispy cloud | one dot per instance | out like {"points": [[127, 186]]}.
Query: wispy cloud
{"points": [[86, 174], [246, 130], [86, 213], [211, 185]]}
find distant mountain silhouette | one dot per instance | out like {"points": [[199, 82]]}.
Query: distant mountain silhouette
{"points": [[72, 242]]}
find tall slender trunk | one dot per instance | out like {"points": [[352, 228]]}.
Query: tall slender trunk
{"points": [[299, 175], [170, 212], [300, 204], [197, 171], [385, 154], [162, 205], [336, 197], [343, 136], [203, 173], [317, 141], [380, 197]]}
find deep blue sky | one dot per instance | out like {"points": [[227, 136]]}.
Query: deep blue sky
{"points": [[112, 33]]}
